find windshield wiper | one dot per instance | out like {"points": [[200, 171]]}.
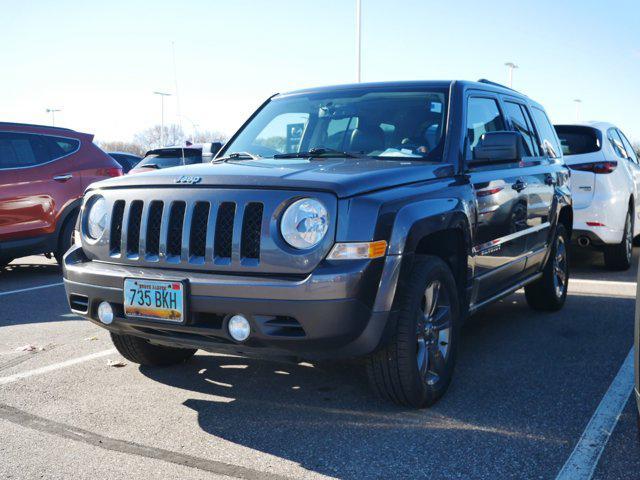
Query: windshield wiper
{"points": [[318, 152], [238, 156], [149, 165]]}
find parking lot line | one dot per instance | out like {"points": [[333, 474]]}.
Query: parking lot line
{"points": [[56, 366], [586, 454], [31, 288]]}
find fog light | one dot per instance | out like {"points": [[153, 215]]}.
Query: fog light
{"points": [[105, 313], [239, 328]]}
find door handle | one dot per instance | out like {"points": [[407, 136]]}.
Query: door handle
{"points": [[519, 185], [549, 180], [63, 178]]}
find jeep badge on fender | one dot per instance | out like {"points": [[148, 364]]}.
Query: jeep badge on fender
{"points": [[360, 221]]}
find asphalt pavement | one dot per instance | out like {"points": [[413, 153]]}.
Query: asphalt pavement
{"points": [[526, 386]]}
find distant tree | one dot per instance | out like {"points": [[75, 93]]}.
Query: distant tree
{"points": [[115, 146], [151, 137], [207, 136], [636, 147]]}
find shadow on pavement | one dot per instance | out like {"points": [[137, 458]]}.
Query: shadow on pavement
{"points": [[500, 417]]}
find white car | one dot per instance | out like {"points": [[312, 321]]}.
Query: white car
{"points": [[605, 186]]}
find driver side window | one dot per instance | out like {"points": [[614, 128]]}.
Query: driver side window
{"points": [[483, 115]]}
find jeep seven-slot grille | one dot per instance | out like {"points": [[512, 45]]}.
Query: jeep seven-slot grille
{"points": [[197, 232]]}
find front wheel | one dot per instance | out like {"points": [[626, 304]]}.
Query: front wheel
{"points": [[549, 292], [618, 257], [416, 366], [139, 350]]}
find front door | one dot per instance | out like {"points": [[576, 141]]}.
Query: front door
{"points": [[501, 206]]}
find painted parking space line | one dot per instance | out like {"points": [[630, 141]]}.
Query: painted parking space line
{"points": [[20, 290], [55, 366], [602, 287], [586, 454]]}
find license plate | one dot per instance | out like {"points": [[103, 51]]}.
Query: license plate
{"points": [[154, 299]]}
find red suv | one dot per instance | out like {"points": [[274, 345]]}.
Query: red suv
{"points": [[43, 174]]}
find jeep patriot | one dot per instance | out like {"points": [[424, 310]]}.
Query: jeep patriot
{"points": [[359, 221]]}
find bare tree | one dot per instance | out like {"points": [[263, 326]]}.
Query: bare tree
{"points": [[208, 136], [116, 146], [152, 137], [636, 147]]}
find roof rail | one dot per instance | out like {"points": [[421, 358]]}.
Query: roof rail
{"points": [[496, 84], [36, 125]]}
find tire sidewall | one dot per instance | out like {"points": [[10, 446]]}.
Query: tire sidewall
{"points": [[425, 270]]}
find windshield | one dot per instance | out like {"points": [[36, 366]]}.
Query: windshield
{"points": [[396, 123], [161, 161]]}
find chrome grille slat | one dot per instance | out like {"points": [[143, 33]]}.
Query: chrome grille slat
{"points": [[186, 231], [142, 250], [164, 228], [123, 234], [211, 232]]}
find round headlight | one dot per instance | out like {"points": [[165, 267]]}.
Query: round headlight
{"points": [[96, 218], [305, 223]]}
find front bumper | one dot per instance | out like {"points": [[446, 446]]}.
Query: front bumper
{"points": [[327, 314]]}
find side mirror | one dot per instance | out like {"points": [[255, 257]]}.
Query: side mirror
{"points": [[215, 148], [496, 147]]}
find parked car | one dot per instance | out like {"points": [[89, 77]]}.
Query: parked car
{"points": [[605, 185], [126, 160], [338, 222], [43, 174], [166, 157]]}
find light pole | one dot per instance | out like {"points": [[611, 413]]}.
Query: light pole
{"points": [[577, 102], [358, 38], [162, 95], [511, 66], [53, 111]]}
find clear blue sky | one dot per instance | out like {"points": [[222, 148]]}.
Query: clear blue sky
{"points": [[101, 61]]}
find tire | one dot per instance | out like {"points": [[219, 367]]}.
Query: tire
{"points": [[415, 368], [618, 257], [65, 240], [549, 292], [139, 350]]}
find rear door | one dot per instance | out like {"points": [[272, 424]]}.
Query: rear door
{"points": [[538, 182], [37, 181], [501, 211], [623, 148]]}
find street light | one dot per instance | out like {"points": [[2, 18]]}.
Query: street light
{"points": [[162, 95], [577, 102], [511, 66], [53, 111], [358, 38]]}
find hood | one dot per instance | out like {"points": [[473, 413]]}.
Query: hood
{"points": [[344, 177]]}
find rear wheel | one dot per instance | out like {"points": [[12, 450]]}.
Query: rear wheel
{"points": [[139, 350], [618, 257], [65, 240], [416, 366], [549, 292]]}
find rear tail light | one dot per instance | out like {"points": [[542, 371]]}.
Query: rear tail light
{"points": [[598, 167], [110, 172], [596, 224]]}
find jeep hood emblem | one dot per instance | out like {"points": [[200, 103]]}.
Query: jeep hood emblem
{"points": [[188, 180]]}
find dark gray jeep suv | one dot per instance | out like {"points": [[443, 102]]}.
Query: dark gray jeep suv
{"points": [[363, 220]]}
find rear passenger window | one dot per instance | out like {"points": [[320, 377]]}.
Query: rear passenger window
{"points": [[548, 138], [20, 150], [483, 115], [60, 146], [628, 148], [616, 143], [521, 123]]}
